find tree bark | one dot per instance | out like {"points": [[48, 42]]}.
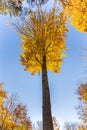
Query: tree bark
{"points": [[47, 116]]}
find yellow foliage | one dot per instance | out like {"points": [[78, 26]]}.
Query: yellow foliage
{"points": [[82, 127], [3, 94], [43, 34], [8, 118], [3, 8], [77, 11]]}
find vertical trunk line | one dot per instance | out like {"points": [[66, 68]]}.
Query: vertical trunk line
{"points": [[47, 116]]}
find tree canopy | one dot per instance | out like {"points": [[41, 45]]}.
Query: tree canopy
{"points": [[13, 114], [43, 33]]}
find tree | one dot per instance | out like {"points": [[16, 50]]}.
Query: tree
{"points": [[43, 43], [20, 117], [82, 97], [13, 115]]}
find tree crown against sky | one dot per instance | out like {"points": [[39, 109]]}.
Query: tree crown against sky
{"points": [[43, 33], [13, 114], [43, 45]]}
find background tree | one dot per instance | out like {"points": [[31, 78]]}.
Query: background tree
{"points": [[82, 127], [67, 126], [82, 97], [39, 125], [13, 115], [70, 126], [56, 124], [43, 43]]}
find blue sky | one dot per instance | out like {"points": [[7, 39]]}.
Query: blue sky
{"points": [[62, 86]]}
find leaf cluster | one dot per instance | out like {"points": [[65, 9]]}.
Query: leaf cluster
{"points": [[77, 12]]}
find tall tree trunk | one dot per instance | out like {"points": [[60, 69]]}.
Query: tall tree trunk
{"points": [[47, 116]]}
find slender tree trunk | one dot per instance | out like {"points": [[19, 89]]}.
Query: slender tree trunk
{"points": [[47, 116]]}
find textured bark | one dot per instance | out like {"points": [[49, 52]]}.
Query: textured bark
{"points": [[47, 116]]}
